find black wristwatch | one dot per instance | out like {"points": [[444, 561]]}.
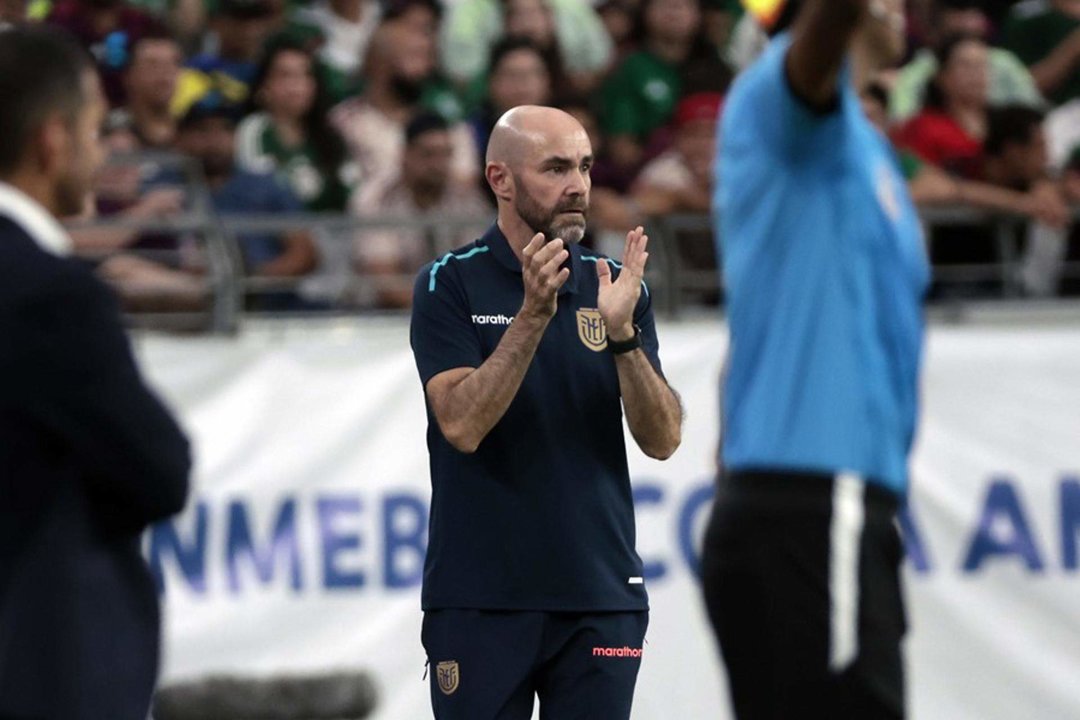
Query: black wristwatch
{"points": [[620, 348]]}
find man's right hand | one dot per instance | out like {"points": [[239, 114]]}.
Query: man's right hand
{"points": [[542, 271]]}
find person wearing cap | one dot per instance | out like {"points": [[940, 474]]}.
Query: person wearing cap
{"points": [[824, 270], [241, 27], [207, 133], [150, 79]]}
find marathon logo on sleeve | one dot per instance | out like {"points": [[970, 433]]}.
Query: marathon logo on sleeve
{"points": [[622, 652], [492, 319]]}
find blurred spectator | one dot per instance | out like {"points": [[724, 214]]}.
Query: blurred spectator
{"points": [[290, 135], [680, 180], [1009, 79], [1016, 157], [400, 79], [618, 19], [473, 26], [949, 130], [207, 133], [721, 18], [345, 28], [677, 181], [425, 189], [640, 96], [108, 29], [1011, 179], [1045, 34], [240, 29], [1011, 176], [150, 80], [519, 75], [125, 189], [533, 20], [1015, 151]]}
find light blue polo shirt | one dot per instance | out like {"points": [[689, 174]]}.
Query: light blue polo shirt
{"points": [[825, 270]]}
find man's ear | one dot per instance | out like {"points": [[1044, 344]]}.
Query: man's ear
{"points": [[52, 144], [501, 180]]}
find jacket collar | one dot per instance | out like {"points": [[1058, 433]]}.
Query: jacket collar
{"points": [[27, 213]]}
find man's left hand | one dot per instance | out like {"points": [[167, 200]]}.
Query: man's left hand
{"points": [[616, 300]]}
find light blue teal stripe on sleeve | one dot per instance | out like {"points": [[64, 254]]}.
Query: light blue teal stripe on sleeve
{"points": [[593, 258], [451, 256]]}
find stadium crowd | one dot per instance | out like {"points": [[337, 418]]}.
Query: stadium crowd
{"points": [[376, 108]]}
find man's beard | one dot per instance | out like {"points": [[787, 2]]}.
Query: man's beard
{"points": [[570, 229], [70, 195]]}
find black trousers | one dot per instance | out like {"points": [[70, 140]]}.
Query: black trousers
{"points": [[801, 575]]}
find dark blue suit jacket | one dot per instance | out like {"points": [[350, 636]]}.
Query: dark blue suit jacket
{"points": [[88, 458]]}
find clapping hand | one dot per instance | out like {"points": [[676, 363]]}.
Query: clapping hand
{"points": [[542, 271], [617, 299]]}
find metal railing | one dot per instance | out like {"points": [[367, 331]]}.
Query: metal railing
{"points": [[683, 271]]}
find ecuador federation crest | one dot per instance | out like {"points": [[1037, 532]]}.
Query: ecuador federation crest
{"points": [[448, 676], [591, 329]]}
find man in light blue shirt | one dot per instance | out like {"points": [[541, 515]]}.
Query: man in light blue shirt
{"points": [[825, 269]]}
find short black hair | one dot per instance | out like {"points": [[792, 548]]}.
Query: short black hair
{"points": [[394, 9], [1011, 125], [41, 71], [154, 35], [511, 44], [423, 123]]}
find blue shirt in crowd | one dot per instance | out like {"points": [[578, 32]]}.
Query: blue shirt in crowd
{"points": [[249, 193]]}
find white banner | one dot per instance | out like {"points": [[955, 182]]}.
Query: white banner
{"points": [[302, 547]]}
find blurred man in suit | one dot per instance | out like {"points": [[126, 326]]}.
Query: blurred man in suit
{"points": [[88, 456]]}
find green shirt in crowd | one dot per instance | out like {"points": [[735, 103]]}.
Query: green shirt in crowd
{"points": [[640, 95], [1034, 29], [260, 150]]}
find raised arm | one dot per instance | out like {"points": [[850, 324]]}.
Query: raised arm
{"points": [[468, 402], [820, 40], [653, 410]]}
